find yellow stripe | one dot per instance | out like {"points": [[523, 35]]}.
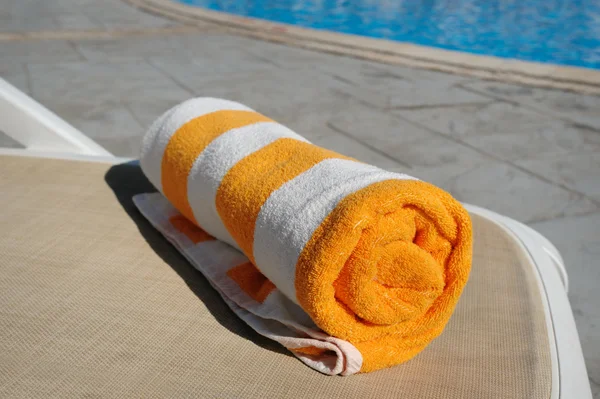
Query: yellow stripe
{"points": [[246, 187], [193, 232], [251, 281], [188, 142], [312, 351], [385, 269]]}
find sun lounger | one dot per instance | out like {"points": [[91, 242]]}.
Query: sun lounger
{"points": [[95, 302]]}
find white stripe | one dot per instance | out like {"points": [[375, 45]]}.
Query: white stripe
{"points": [[291, 214], [156, 139], [216, 160]]}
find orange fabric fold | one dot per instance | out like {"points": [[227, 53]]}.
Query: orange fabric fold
{"points": [[386, 268]]}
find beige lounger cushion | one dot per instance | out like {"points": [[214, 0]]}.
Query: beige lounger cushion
{"points": [[95, 303]]}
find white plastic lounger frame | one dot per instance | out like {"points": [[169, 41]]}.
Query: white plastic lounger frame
{"points": [[38, 129], [569, 374], [44, 134]]}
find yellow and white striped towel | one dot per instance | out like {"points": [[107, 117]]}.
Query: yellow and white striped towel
{"points": [[350, 267]]}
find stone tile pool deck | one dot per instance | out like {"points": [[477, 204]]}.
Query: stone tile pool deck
{"points": [[529, 153]]}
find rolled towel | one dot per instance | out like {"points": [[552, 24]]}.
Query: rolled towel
{"points": [[351, 267]]}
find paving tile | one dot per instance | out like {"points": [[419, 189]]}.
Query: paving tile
{"points": [[347, 146], [402, 140], [412, 94], [88, 84], [576, 107], [116, 14], [101, 121], [122, 146], [17, 53], [13, 25], [507, 190], [27, 15], [16, 75], [507, 131], [428, 92], [578, 240], [595, 388], [389, 86], [371, 97], [311, 120], [466, 173], [146, 110], [72, 21], [203, 67], [8, 142], [293, 57], [35, 15], [275, 92], [362, 73], [132, 48], [578, 170], [269, 92], [378, 75], [209, 44]]}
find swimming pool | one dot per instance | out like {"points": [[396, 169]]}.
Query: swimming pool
{"points": [[552, 31]]}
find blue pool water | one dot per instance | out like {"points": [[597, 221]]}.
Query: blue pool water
{"points": [[554, 31]]}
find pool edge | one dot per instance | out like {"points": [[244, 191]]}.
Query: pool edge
{"points": [[582, 80]]}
